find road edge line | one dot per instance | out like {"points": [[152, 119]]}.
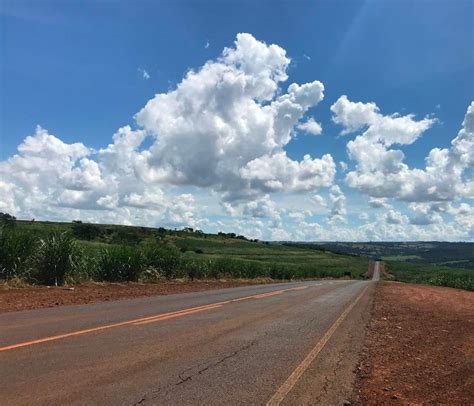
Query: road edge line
{"points": [[291, 381]]}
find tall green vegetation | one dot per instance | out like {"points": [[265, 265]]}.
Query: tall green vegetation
{"points": [[57, 255], [50, 252], [16, 249], [57, 258], [85, 231], [431, 275], [120, 264], [163, 259]]}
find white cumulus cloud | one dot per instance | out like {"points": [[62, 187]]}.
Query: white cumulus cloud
{"points": [[227, 121], [380, 169], [311, 127], [212, 152]]}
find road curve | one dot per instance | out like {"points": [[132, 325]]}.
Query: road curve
{"points": [[290, 343]]}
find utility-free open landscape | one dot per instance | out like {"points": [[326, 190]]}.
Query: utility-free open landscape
{"points": [[240, 202], [178, 317]]}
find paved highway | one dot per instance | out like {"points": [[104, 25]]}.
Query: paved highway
{"points": [[376, 275], [289, 343]]}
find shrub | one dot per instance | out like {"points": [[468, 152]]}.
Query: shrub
{"points": [[7, 219], [198, 268], [127, 235], [120, 264], [163, 258], [84, 267], [85, 231], [15, 251], [55, 257]]}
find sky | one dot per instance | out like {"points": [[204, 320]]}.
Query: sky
{"points": [[279, 120]]}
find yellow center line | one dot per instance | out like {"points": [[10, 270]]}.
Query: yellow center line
{"points": [[170, 316], [264, 295], [288, 385], [144, 320]]}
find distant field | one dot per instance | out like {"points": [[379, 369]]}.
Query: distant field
{"points": [[76, 252], [431, 274], [435, 263], [400, 257], [450, 254]]}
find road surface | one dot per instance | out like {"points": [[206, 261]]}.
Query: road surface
{"points": [[288, 343], [376, 275]]}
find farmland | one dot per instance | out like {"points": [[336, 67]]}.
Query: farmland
{"points": [[46, 253], [452, 254], [431, 274], [433, 263], [56, 253]]}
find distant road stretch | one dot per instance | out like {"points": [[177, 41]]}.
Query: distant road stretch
{"points": [[376, 275], [289, 343]]}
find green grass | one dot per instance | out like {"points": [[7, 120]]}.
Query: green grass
{"points": [[36, 252], [299, 261], [431, 275]]}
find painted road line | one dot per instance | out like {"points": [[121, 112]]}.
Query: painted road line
{"points": [[264, 295], [156, 317], [161, 318], [284, 389]]}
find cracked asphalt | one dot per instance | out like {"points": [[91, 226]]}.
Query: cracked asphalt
{"points": [[181, 350]]}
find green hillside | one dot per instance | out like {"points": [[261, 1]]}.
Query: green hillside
{"points": [[50, 252]]}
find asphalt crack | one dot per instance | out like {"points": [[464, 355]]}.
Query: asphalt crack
{"points": [[213, 365], [183, 377]]}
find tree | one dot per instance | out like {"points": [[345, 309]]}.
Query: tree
{"points": [[7, 220], [85, 231]]}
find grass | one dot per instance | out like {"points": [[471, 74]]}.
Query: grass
{"points": [[431, 275], [48, 252], [120, 264], [76, 252], [16, 251], [55, 256]]}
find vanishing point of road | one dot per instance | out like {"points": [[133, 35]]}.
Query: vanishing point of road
{"points": [[285, 343]]}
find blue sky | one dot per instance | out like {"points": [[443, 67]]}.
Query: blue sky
{"points": [[77, 69]]}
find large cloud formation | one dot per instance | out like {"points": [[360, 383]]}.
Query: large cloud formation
{"points": [[212, 153], [225, 126], [380, 171], [381, 174]]}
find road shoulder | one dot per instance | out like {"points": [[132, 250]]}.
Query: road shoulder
{"points": [[417, 348], [38, 297]]}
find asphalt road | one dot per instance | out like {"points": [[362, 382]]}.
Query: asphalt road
{"points": [[291, 343], [376, 275]]}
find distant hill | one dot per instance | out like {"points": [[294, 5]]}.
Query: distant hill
{"points": [[450, 254]]}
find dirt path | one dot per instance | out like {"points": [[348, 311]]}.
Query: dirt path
{"points": [[418, 347], [43, 296]]}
